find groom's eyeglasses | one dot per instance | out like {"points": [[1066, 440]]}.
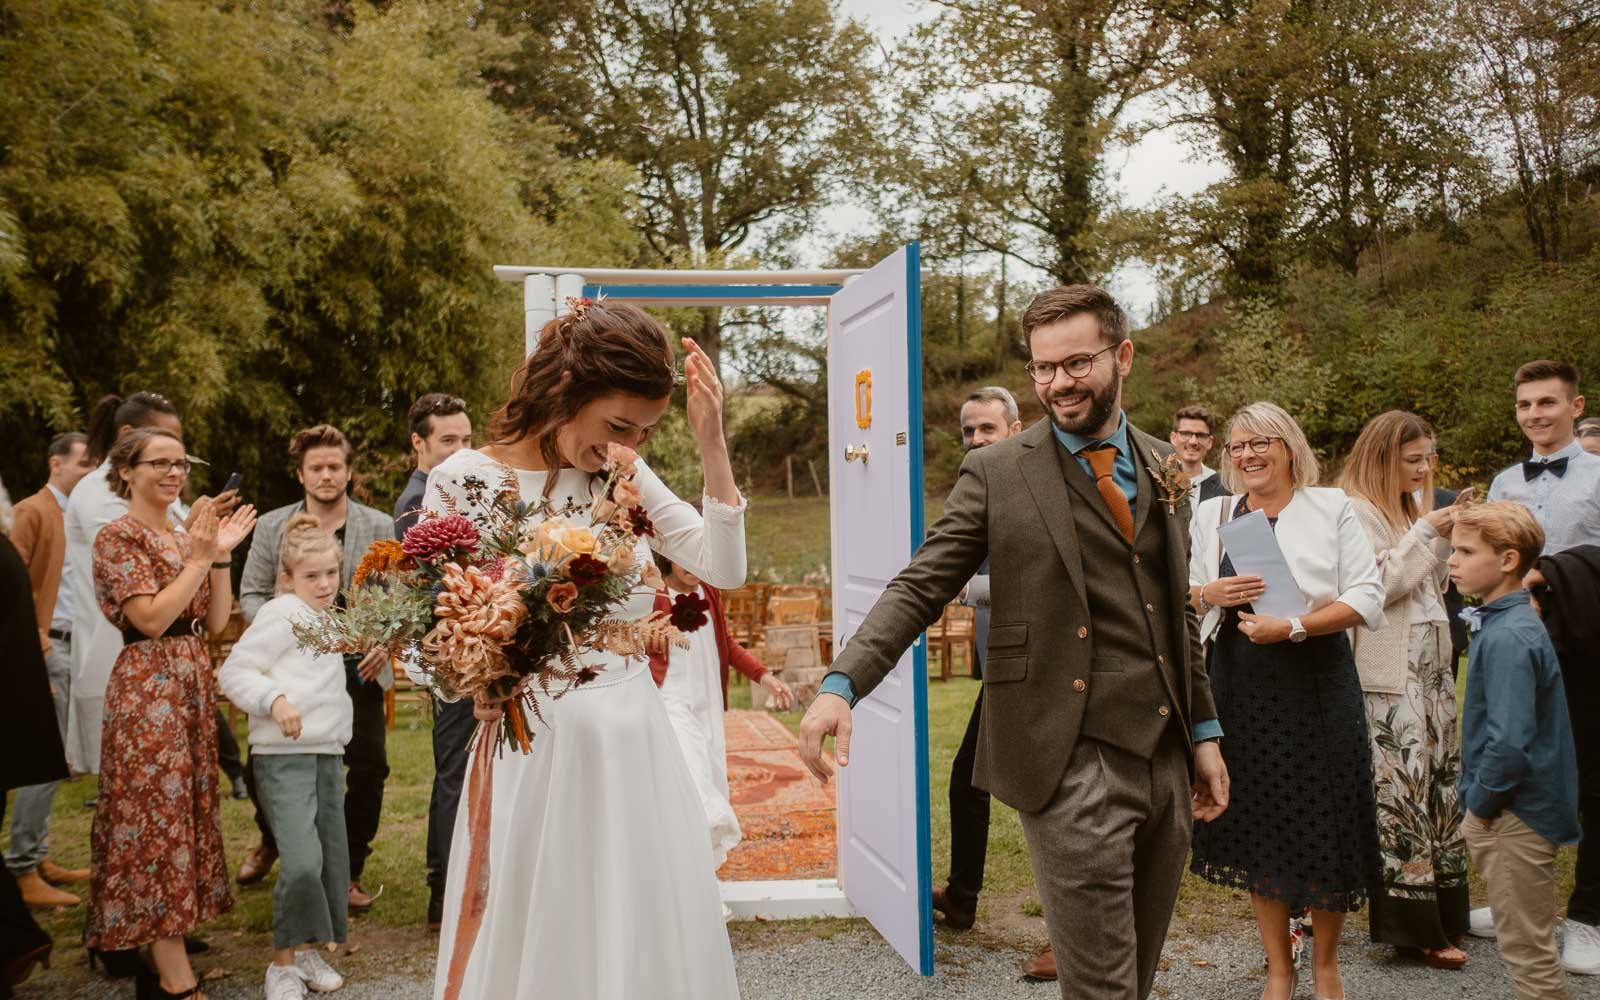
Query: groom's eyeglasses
{"points": [[1077, 366]]}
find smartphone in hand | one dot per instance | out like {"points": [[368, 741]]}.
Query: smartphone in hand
{"points": [[234, 482]]}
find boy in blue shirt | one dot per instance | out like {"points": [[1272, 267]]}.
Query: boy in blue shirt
{"points": [[1519, 771]]}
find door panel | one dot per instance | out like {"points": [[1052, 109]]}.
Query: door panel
{"points": [[876, 512]]}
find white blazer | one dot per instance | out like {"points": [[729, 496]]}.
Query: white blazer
{"points": [[1322, 539]]}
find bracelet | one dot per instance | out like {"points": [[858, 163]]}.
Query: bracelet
{"points": [[1205, 605], [225, 564]]}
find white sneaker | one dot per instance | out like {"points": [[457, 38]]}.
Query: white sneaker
{"points": [[284, 982], [1481, 923], [318, 974], [1580, 949]]}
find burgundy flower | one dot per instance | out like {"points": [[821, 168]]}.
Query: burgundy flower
{"points": [[585, 675], [640, 522], [586, 569], [690, 612], [440, 536]]}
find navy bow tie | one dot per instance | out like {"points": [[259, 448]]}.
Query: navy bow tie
{"points": [[1533, 470]]}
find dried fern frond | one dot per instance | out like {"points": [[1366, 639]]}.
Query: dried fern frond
{"points": [[640, 637]]}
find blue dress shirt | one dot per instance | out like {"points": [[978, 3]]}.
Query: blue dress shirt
{"points": [[1567, 506], [1122, 471], [1126, 477], [1516, 737]]}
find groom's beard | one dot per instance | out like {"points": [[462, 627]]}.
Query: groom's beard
{"points": [[1102, 404]]}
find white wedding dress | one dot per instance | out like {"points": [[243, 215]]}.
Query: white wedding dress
{"points": [[692, 692], [601, 877]]}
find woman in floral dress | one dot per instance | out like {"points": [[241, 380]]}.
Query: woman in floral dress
{"points": [[1410, 694], [158, 869]]}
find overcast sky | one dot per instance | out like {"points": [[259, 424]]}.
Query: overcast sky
{"points": [[1159, 165]]}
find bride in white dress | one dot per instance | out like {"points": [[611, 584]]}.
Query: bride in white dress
{"points": [[601, 881]]}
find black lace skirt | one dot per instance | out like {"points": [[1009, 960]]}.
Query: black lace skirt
{"points": [[1301, 825]]}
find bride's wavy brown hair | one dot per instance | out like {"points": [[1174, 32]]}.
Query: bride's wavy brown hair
{"points": [[581, 357]]}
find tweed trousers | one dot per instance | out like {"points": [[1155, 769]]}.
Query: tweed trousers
{"points": [[1108, 854]]}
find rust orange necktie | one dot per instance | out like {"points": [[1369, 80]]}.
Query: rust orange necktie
{"points": [[1102, 460]]}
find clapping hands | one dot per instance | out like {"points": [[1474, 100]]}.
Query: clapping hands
{"points": [[213, 538]]}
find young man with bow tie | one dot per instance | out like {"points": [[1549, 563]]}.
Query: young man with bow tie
{"points": [[1560, 484]]}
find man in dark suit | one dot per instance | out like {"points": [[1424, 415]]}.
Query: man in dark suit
{"points": [[1098, 724]]}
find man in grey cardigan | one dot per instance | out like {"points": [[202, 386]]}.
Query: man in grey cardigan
{"points": [[1098, 725], [323, 458]]}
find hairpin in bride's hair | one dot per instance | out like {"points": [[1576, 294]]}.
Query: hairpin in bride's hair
{"points": [[578, 308]]}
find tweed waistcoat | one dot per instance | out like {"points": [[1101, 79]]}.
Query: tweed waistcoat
{"points": [[1133, 685]]}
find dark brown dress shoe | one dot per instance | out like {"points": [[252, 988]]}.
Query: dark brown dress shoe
{"points": [[256, 865], [1042, 967], [956, 917]]}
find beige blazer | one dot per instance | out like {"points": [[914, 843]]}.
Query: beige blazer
{"points": [[41, 538], [1412, 563]]}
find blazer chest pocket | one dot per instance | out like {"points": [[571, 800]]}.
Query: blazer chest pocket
{"points": [[1006, 659]]}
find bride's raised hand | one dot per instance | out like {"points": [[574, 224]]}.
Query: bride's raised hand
{"points": [[705, 394]]}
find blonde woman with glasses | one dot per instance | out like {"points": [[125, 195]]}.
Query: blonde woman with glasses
{"points": [[1294, 836], [1410, 693]]}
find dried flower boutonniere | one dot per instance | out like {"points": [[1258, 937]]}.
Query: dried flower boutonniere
{"points": [[1169, 475]]}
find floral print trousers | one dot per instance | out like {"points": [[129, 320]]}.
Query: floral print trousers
{"points": [[1416, 760]]}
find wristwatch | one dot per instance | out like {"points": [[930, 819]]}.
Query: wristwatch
{"points": [[1297, 631]]}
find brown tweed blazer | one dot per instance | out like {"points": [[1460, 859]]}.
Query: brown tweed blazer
{"points": [[1012, 504]]}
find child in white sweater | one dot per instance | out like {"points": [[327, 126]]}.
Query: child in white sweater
{"points": [[300, 719]]}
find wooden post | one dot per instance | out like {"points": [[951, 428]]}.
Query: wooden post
{"points": [[788, 471], [815, 479]]}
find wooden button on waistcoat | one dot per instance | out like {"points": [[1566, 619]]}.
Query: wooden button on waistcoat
{"points": [[1079, 685], [1163, 712], [1083, 631]]}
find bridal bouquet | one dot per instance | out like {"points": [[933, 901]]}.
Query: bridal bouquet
{"points": [[506, 612]]}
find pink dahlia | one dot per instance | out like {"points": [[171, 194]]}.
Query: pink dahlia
{"points": [[440, 536]]}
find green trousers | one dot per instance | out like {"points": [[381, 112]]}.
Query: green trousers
{"points": [[303, 798]]}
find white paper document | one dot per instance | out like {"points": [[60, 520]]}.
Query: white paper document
{"points": [[1254, 550]]}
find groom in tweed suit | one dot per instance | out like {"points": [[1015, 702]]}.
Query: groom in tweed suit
{"points": [[1098, 724]]}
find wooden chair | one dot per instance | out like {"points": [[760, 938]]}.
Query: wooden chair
{"points": [[218, 647], [799, 610], [403, 692], [742, 608], [952, 636]]}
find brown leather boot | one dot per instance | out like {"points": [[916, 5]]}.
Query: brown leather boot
{"points": [[1042, 967], [256, 865], [358, 900], [956, 916], [57, 875], [41, 895]]}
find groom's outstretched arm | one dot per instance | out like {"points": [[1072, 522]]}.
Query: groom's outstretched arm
{"points": [[913, 600]]}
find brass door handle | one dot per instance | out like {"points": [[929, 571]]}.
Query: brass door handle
{"points": [[856, 453]]}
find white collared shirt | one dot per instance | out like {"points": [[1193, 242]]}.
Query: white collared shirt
{"points": [[61, 619], [1567, 507], [1206, 472]]}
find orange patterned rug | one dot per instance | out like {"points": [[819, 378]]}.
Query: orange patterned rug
{"points": [[787, 814]]}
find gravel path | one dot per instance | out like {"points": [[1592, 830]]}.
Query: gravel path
{"points": [[857, 965]]}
